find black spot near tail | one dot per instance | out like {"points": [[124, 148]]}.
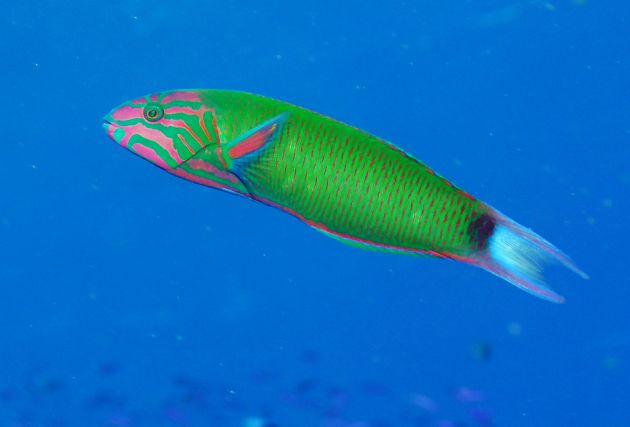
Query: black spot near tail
{"points": [[481, 229]]}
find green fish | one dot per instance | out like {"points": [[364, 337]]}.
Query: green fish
{"points": [[341, 180]]}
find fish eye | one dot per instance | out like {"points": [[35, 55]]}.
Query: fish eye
{"points": [[153, 112]]}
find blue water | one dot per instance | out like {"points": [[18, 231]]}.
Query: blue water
{"points": [[132, 298]]}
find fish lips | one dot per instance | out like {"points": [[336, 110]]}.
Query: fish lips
{"points": [[114, 131]]}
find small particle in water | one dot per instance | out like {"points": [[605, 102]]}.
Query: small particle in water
{"points": [[482, 351], [611, 362], [514, 328], [424, 402], [549, 6], [467, 394], [257, 422]]}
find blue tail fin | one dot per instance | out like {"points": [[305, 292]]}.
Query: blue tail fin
{"points": [[519, 255]]}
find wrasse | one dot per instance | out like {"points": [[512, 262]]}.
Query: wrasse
{"points": [[338, 179]]}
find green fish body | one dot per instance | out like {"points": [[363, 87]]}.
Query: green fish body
{"points": [[338, 179]]}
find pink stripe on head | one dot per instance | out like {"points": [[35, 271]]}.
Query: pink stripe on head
{"points": [[188, 110], [127, 112], [181, 96], [152, 134], [181, 124], [110, 131], [139, 101], [150, 154]]}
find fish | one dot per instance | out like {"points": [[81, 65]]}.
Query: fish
{"points": [[341, 180]]}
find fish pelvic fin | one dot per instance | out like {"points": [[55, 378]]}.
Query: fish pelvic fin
{"points": [[519, 256]]}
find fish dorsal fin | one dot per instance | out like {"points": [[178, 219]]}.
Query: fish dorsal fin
{"points": [[252, 144]]}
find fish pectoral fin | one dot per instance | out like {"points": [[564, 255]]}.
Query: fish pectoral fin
{"points": [[252, 144]]}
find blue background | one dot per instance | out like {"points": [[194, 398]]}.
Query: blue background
{"points": [[125, 291]]}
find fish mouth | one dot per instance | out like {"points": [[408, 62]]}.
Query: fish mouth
{"points": [[114, 131], [107, 121]]}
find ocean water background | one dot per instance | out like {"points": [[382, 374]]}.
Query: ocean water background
{"points": [[132, 298]]}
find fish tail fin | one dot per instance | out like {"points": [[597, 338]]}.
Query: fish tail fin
{"points": [[519, 256]]}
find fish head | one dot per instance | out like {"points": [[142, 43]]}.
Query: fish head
{"points": [[177, 131], [166, 128]]}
